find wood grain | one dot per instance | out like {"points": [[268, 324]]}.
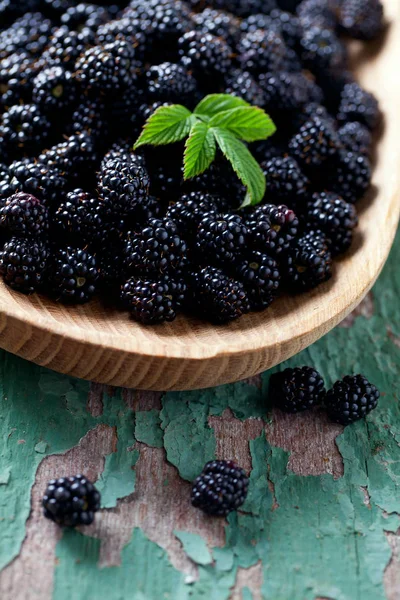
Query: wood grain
{"points": [[97, 343]]}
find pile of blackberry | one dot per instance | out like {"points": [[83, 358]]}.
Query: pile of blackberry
{"points": [[82, 215]]}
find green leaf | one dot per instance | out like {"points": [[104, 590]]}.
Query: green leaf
{"points": [[249, 123], [200, 150], [215, 103], [168, 124], [244, 164]]}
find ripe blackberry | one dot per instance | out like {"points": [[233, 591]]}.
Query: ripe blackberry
{"points": [[336, 218], [127, 27], [357, 104], [260, 276], [217, 297], [124, 185], [350, 176], [82, 217], [242, 84], [285, 180], [362, 19], [190, 209], [170, 82], [23, 263], [314, 143], [308, 263], [221, 238], [218, 23], [284, 91], [84, 15], [107, 69], [89, 117], [72, 276], [355, 137], [298, 389], [17, 74], [255, 22], [321, 49], [351, 399], [29, 32], [272, 229], [43, 182], [71, 501], [4, 174], [73, 157], [288, 25], [321, 13], [66, 46], [23, 214], [220, 488], [312, 109], [207, 55], [261, 51], [150, 300], [54, 89], [122, 150], [157, 249], [23, 128]]}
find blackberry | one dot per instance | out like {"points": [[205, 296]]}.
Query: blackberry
{"points": [[23, 128], [350, 399], [82, 217], [206, 54], [220, 488], [108, 68], [255, 22], [322, 49], [218, 23], [350, 176], [73, 157], [220, 180], [312, 109], [72, 275], [315, 142], [89, 117], [221, 238], [217, 297], [71, 501], [308, 263], [43, 182], [157, 249], [23, 214], [288, 26], [261, 51], [242, 84], [362, 19], [355, 137], [285, 179], [84, 15], [151, 301], [30, 32], [127, 27], [17, 73], [170, 82], [124, 185], [260, 276], [298, 389], [284, 91], [321, 13], [149, 208], [272, 229], [66, 46], [357, 104], [244, 8], [336, 218], [23, 264], [123, 151], [190, 209], [54, 89]]}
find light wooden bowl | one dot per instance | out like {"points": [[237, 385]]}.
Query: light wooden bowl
{"points": [[96, 343]]}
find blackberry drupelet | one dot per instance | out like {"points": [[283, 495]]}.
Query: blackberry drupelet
{"points": [[262, 50], [351, 399], [272, 229], [298, 389], [307, 264], [355, 137], [71, 501], [356, 104], [218, 23], [220, 488], [73, 157], [4, 174], [23, 263], [66, 46], [45, 183], [72, 275], [321, 49], [336, 218], [170, 82], [23, 128], [260, 276], [82, 217], [124, 185], [221, 238], [362, 19], [350, 176], [207, 55], [242, 84], [190, 209], [151, 300], [315, 142], [217, 297], [285, 179], [23, 214], [157, 249], [257, 21], [54, 90]]}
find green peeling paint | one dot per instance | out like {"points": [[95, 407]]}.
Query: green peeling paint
{"points": [[195, 547], [147, 428]]}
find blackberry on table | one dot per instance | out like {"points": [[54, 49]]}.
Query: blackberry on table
{"points": [[71, 501], [170, 82], [260, 276], [261, 51], [23, 128], [206, 54], [45, 183], [23, 263], [355, 137], [124, 185], [350, 176], [23, 214], [221, 238], [82, 217], [220, 488], [321, 49], [356, 104], [285, 179], [190, 209], [72, 275], [271, 228], [217, 297], [351, 399], [308, 263], [296, 390], [54, 89], [242, 84], [151, 300], [315, 142], [362, 19]]}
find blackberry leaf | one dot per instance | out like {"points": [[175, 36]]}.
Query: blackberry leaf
{"points": [[216, 103], [200, 150], [248, 123], [168, 124]]}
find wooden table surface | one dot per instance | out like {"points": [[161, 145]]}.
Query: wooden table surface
{"points": [[321, 520]]}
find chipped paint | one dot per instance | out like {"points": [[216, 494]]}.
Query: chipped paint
{"points": [[195, 547]]}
